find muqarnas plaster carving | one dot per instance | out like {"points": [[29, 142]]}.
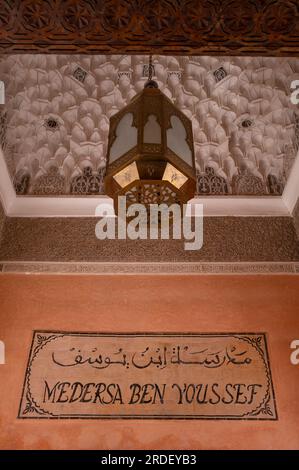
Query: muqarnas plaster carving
{"points": [[56, 117]]}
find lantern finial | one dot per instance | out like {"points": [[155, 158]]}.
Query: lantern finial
{"points": [[150, 82]]}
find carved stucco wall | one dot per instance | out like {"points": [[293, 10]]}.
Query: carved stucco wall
{"points": [[56, 118]]}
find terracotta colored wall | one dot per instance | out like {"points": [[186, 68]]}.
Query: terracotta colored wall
{"points": [[149, 303]]}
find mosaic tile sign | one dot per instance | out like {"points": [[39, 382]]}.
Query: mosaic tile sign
{"points": [[154, 376]]}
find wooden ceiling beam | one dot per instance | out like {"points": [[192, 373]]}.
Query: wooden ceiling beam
{"points": [[176, 27]]}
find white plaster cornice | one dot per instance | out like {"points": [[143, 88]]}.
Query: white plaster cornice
{"points": [[291, 191], [77, 206], [7, 192]]}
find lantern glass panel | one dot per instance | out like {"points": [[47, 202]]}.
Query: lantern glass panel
{"points": [[126, 137], [127, 175], [174, 176]]}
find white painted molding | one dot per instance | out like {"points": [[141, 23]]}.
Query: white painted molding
{"points": [[77, 206], [7, 191], [241, 206], [62, 206], [85, 206], [2, 92], [291, 190]]}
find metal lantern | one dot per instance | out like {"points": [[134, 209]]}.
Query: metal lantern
{"points": [[150, 151]]}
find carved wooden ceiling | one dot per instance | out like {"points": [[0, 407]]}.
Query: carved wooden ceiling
{"points": [[180, 27]]}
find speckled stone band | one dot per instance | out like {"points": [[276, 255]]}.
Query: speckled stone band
{"points": [[226, 239]]}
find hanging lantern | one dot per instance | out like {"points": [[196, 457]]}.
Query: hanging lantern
{"points": [[150, 156]]}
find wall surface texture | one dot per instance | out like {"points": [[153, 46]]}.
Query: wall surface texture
{"points": [[225, 239], [149, 304]]}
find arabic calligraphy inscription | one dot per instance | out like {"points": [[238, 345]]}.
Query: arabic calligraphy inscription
{"points": [[95, 375]]}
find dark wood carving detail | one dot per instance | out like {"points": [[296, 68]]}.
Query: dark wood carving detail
{"points": [[183, 27]]}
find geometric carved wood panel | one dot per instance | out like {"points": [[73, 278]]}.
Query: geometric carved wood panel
{"points": [[180, 27]]}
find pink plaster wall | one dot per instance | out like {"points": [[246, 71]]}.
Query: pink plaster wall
{"points": [[149, 303]]}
